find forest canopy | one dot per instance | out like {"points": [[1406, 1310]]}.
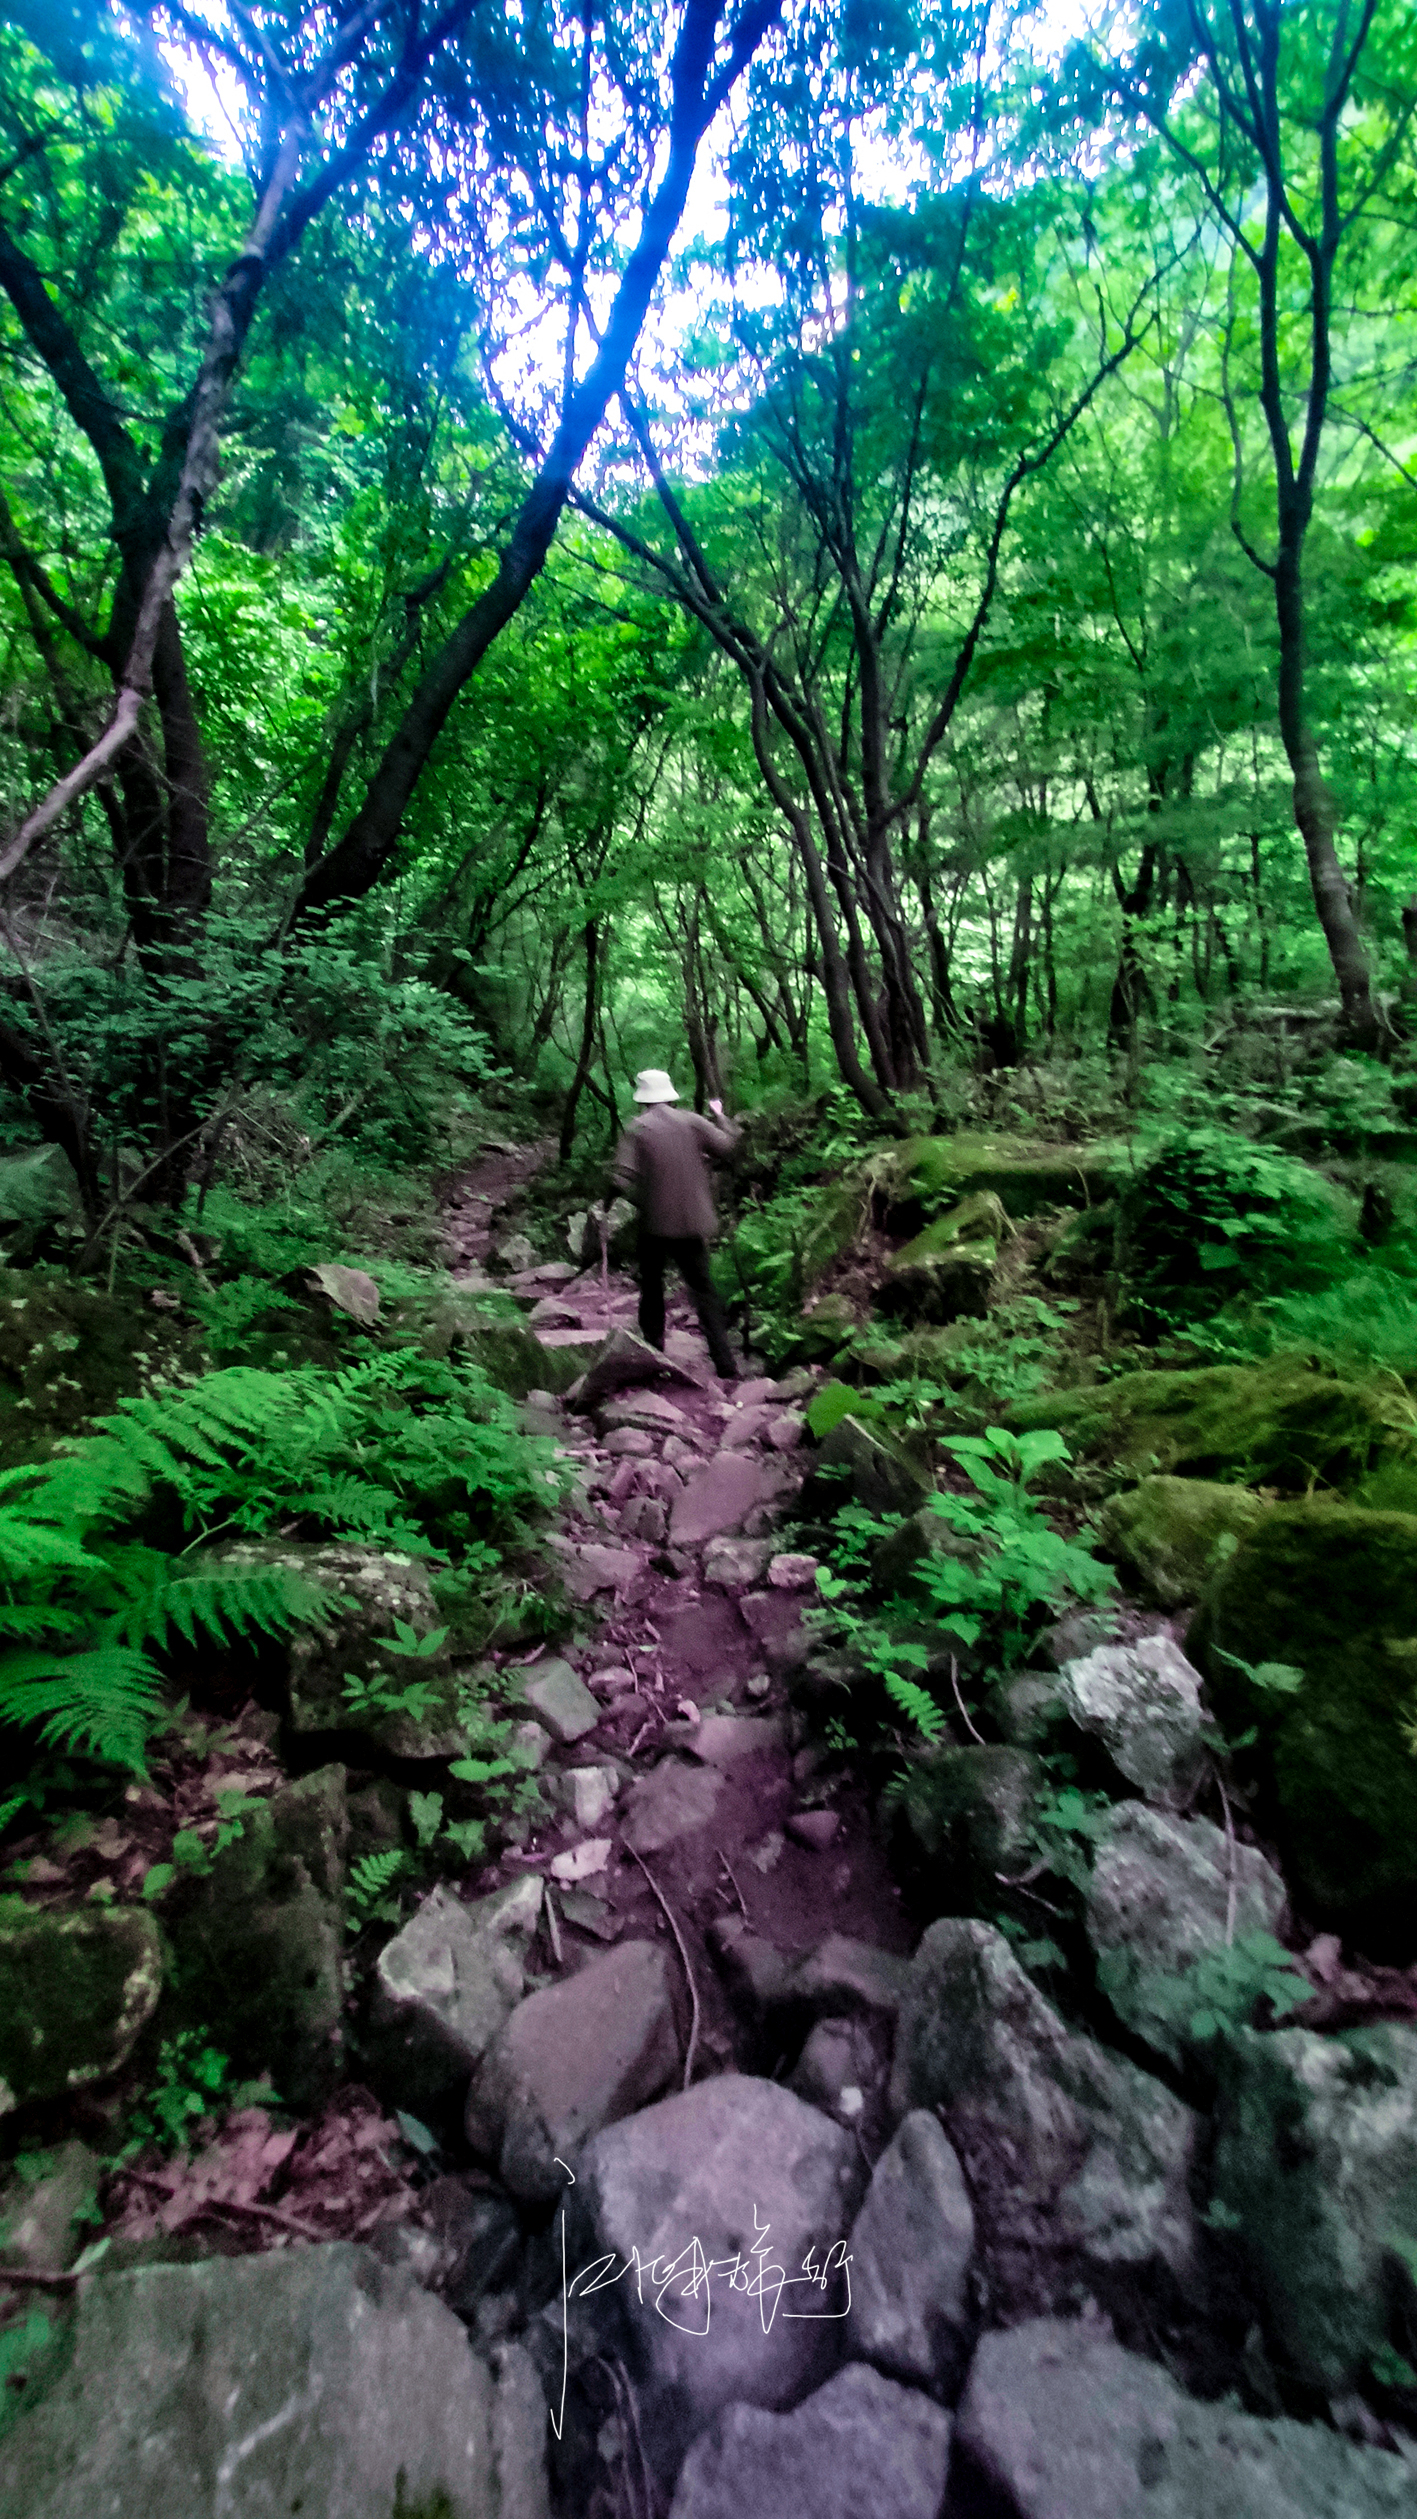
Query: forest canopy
{"points": [[802, 537]]}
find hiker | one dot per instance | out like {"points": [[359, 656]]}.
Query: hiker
{"points": [[662, 1163]]}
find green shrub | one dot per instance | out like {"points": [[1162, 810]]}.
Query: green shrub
{"points": [[1210, 1216]]}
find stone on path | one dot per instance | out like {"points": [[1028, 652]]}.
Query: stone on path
{"points": [[860, 2446], [845, 1975], [720, 1498], [791, 1573], [571, 2060], [1142, 1701], [445, 1985], [588, 1793], [744, 1427], [625, 1362], [1161, 1894], [674, 1800], [738, 2177], [313, 2379], [588, 1568], [731, 1565], [1066, 2145], [1058, 2422], [911, 2249], [560, 1701], [721, 1740], [75, 1990], [629, 1443], [814, 1829]]}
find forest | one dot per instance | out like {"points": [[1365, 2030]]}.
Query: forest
{"points": [[845, 568]]}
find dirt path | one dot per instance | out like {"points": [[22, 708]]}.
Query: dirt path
{"points": [[677, 1543]]}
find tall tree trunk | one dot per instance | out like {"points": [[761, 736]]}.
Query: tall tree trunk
{"points": [[587, 1049]]}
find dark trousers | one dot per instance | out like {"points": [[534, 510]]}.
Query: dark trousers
{"points": [[690, 1257]]}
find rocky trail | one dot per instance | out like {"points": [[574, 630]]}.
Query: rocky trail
{"points": [[693, 2179]]}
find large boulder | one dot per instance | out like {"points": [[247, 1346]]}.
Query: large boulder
{"points": [[1330, 1590], [257, 1943], [570, 2060], [445, 1986], [860, 2444], [1283, 1423], [314, 2379], [1058, 2422], [1315, 2172], [699, 2222], [1142, 1701], [372, 1593], [75, 1990], [912, 2246], [1067, 2147], [926, 1174], [937, 1279], [1173, 1534], [858, 1464], [1165, 1894]]}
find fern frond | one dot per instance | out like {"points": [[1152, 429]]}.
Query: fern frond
{"points": [[917, 1703], [216, 1601], [104, 1701], [30, 1548]]}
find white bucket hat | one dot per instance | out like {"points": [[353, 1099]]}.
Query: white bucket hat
{"points": [[653, 1085]]}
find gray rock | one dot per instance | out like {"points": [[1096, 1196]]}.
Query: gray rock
{"points": [[446, 1985], [1026, 1708], [839, 2069], [732, 1565], [1064, 2143], [870, 1470], [37, 2217], [849, 1976], [971, 1811], [1161, 1895], [815, 1829], [1315, 2170], [675, 1800], [629, 1443], [719, 1498], [644, 1517], [1142, 1701], [561, 1703], [514, 1255], [571, 2060], [911, 2250], [75, 1990], [1058, 2422], [588, 1793], [721, 1740], [718, 2195], [258, 1944], [652, 1413], [312, 2379], [375, 1588], [861, 2444], [626, 1362], [587, 1567]]}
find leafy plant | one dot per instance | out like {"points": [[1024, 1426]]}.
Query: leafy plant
{"points": [[1210, 1215], [372, 1883], [394, 1449], [194, 2080], [1226, 1987]]}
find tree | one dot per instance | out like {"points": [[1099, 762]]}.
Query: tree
{"points": [[1301, 118]]}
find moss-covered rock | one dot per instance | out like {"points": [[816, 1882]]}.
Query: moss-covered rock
{"points": [[68, 1351], [982, 1217], [1315, 2171], [823, 1331], [1287, 1423], [928, 1173], [943, 1286], [258, 1943], [1173, 1534], [970, 1812], [373, 1593], [836, 1400], [1084, 1246], [863, 1465], [75, 1991], [1331, 1590], [839, 1209]]}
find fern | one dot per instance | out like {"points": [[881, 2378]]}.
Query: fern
{"points": [[105, 1700], [398, 1450], [917, 1703], [371, 1880]]}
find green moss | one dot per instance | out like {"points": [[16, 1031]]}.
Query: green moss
{"points": [[928, 1173], [1286, 1423], [837, 1213], [979, 1220], [1173, 1534], [75, 1991], [1332, 1590]]}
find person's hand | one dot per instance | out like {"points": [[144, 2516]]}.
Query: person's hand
{"points": [[717, 1106]]}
